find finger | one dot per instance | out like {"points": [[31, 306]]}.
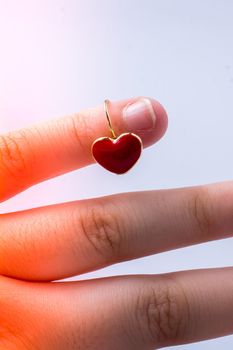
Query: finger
{"points": [[43, 151], [54, 242], [133, 312]]}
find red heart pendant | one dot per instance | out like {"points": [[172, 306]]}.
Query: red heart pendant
{"points": [[117, 155]]}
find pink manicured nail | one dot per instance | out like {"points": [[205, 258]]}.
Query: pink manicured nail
{"points": [[140, 115]]}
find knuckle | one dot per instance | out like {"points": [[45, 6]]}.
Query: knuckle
{"points": [[80, 130], [100, 224], [162, 314], [200, 208], [13, 154]]}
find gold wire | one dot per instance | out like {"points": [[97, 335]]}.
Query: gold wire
{"points": [[106, 102]]}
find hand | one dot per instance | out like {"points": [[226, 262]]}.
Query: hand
{"points": [[45, 244]]}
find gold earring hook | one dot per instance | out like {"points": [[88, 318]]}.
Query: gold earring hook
{"points": [[106, 102]]}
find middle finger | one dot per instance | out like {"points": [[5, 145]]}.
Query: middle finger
{"points": [[63, 240]]}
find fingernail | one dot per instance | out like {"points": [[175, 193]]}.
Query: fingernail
{"points": [[140, 115]]}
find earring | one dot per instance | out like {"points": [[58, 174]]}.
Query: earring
{"points": [[119, 153]]}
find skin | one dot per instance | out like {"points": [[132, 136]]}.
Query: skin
{"points": [[46, 244]]}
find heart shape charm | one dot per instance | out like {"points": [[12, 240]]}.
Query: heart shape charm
{"points": [[117, 155]]}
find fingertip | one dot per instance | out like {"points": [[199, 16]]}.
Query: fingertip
{"points": [[161, 124], [143, 116]]}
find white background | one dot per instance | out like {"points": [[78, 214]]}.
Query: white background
{"points": [[57, 57]]}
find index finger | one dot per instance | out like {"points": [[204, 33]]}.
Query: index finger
{"points": [[34, 154]]}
